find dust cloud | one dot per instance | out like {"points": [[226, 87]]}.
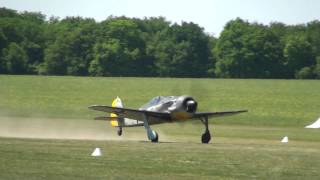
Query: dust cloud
{"points": [[46, 128]]}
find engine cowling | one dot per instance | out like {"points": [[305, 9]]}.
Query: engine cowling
{"points": [[186, 103], [190, 105]]}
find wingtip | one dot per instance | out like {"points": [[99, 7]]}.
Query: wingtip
{"points": [[91, 106]]}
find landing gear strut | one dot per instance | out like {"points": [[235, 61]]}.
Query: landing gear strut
{"points": [[206, 136], [152, 135]]}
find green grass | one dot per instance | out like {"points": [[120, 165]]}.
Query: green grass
{"points": [[66, 159], [270, 102], [245, 146]]}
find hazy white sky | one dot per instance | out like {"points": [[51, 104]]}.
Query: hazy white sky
{"points": [[209, 14]]}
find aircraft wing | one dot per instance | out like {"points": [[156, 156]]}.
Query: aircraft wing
{"points": [[217, 114], [131, 113]]}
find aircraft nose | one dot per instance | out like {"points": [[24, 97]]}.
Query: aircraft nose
{"points": [[191, 106]]}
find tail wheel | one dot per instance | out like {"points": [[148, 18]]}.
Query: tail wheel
{"points": [[156, 138], [119, 131]]}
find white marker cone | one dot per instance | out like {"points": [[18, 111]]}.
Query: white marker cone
{"points": [[285, 139], [314, 125], [96, 152]]}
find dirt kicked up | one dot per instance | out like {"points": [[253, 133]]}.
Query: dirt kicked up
{"points": [[63, 129]]}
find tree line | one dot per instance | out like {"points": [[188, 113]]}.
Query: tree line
{"points": [[122, 46]]}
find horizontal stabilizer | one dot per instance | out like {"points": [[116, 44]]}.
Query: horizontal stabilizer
{"points": [[130, 113]]}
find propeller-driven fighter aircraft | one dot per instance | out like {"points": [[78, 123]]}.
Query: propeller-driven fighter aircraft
{"points": [[160, 109]]}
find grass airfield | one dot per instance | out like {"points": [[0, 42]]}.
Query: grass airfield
{"points": [[223, 159], [47, 132]]}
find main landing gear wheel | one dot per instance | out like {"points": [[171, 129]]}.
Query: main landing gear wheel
{"points": [[206, 136], [156, 138], [119, 131]]}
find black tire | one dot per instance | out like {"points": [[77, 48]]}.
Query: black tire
{"points": [[119, 132], [155, 140], [206, 137]]}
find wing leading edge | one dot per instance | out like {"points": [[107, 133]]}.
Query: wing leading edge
{"points": [[217, 114], [157, 117]]}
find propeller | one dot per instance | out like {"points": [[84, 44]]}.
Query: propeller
{"points": [[191, 106]]}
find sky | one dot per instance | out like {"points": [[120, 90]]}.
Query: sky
{"points": [[212, 15]]}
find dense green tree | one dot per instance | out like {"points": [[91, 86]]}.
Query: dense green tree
{"points": [[317, 68], [3, 40], [313, 36], [33, 40], [3, 44], [5, 13], [305, 73], [182, 51], [152, 30], [247, 51], [26, 30], [122, 46], [120, 50], [298, 54], [54, 62], [110, 59], [72, 50], [212, 42], [15, 59], [123, 29]]}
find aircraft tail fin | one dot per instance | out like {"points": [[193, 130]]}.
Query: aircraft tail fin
{"points": [[115, 103]]}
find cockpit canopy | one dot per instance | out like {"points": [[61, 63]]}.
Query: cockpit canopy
{"points": [[158, 100], [171, 104]]}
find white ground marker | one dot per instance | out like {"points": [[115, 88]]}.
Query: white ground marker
{"points": [[285, 139], [96, 152], [314, 125]]}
